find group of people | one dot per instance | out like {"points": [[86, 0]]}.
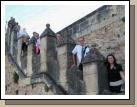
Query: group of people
{"points": [[115, 72], [21, 33], [35, 40]]}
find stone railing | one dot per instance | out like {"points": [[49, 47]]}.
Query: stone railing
{"points": [[32, 65]]}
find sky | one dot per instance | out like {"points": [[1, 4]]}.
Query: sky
{"points": [[35, 17]]}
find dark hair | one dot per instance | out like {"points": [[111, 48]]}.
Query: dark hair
{"points": [[108, 64]]}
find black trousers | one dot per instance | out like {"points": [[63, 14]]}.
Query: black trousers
{"points": [[24, 47], [81, 71], [116, 89]]}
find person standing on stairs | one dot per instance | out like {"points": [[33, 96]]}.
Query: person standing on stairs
{"points": [[79, 52]]}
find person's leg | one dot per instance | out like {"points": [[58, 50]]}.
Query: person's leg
{"points": [[22, 49], [111, 88], [81, 69], [25, 47], [116, 89]]}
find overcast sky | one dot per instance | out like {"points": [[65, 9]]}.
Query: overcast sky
{"points": [[35, 17]]}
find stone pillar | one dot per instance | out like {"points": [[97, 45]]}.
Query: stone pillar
{"points": [[65, 46], [94, 73], [29, 60], [48, 52], [90, 76], [43, 50], [11, 42], [19, 51], [62, 59], [9, 36]]}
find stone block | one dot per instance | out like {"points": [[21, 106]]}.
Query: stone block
{"points": [[25, 81], [61, 50], [43, 54], [90, 68], [91, 83]]}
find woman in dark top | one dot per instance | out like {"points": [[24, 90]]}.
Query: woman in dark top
{"points": [[115, 74]]}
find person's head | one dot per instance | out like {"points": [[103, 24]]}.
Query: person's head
{"points": [[35, 34], [24, 29], [81, 40], [11, 18], [58, 36], [111, 59]]}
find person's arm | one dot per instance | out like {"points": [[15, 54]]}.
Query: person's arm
{"points": [[120, 69], [122, 75], [73, 57], [74, 61]]}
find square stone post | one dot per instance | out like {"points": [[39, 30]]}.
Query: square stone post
{"points": [[11, 43], [90, 76], [94, 73], [48, 53], [29, 60], [19, 51]]}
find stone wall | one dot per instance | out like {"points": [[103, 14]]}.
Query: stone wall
{"points": [[103, 29], [34, 89], [10, 86]]}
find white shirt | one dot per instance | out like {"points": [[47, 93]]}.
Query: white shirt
{"points": [[38, 42], [21, 33], [78, 50]]}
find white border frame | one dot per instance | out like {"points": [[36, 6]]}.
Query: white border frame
{"points": [[126, 96]]}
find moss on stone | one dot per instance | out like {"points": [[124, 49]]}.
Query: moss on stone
{"points": [[15, 77], [46, 88], [123, 19]]}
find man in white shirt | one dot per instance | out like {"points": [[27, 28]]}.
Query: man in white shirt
{"points": [[80, 51]]}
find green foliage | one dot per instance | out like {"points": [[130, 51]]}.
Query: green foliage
{"points": [[15, 77], [123, 19], [46, 88]]}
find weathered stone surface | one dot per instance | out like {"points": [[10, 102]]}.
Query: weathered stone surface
{"points": [[10, 86], [61, 50], [75, 82], [91, 84], [29, 60], [90, 68], [43, 53], [36, 64], [19, 52]]}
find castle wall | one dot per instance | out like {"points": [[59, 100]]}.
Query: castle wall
{"points": [[103, 29], [10, 86]]}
